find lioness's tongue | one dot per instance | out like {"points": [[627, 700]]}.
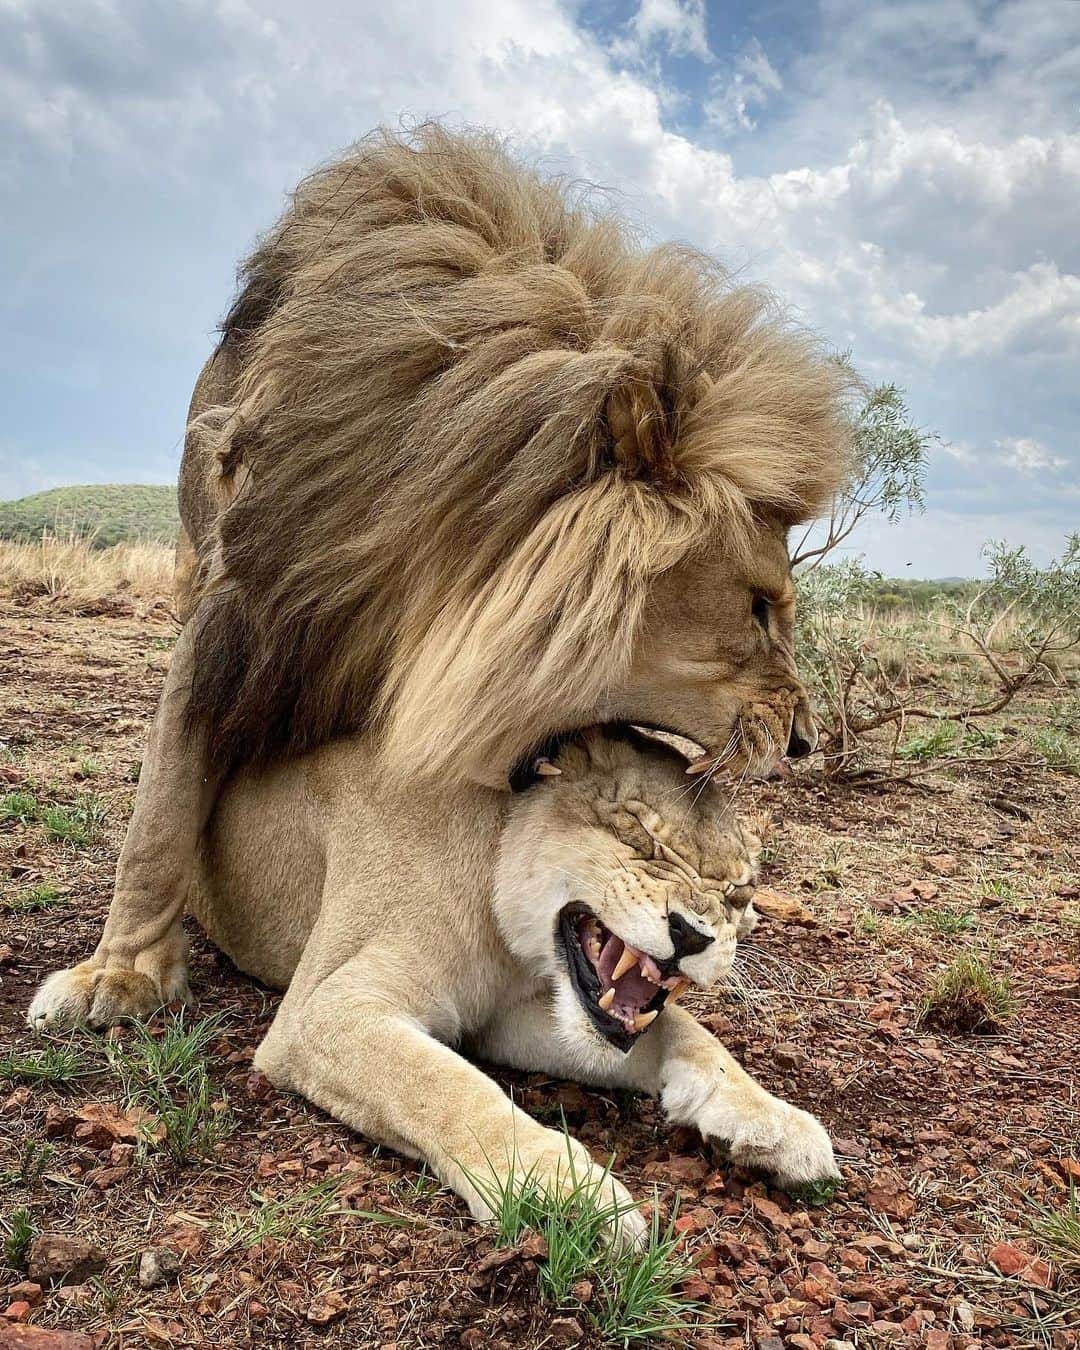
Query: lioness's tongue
{"points": [[632, 989]]}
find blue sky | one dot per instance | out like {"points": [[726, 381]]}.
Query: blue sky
{"points": [[905, 175]]}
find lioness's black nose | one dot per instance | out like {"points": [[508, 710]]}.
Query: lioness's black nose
{"points": [[797, 748], [686, 939]]}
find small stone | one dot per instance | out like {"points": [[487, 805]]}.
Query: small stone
{"points": [[565, 1331], [326, 1307], [582, 1291], [18, 1337], [789, 1056], [158, 1265], [26, 1289], [18, 1311], [56, 1258]]}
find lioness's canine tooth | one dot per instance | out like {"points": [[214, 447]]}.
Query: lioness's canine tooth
{"points": [[606, 1000], [629, 958], [645, 1019], [546, 769], [677, 991], [700, 765]]}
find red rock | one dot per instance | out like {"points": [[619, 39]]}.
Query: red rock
{"points": [[326, 1307], [258, 1312], [854, 1260], [887, 1194], [26, 1289], [694, 1288], [771, 1212], [16, 1337], [801, 1342], [944, 864], [935, 1338], [860, 1311], [18, 1311], [1009, 1260], [1071, 1168], [56, 1258]]}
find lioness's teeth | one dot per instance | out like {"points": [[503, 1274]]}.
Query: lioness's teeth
{"points": [[628, 959], [700, 765], [606, 1000], [546, 769], [594, 949], [646, 1019], [677, 992]]}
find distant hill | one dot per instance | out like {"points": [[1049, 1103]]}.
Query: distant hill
{"points": [[109, 513]]}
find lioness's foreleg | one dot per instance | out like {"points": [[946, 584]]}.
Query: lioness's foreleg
{"points": [[141, 961], [372, 1063], [698, 1082]]}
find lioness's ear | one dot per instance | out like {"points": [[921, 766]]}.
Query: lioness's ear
{"points": [[674, 750]]}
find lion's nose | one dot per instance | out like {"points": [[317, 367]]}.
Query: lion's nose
{"points": [[685, 938], [797, 746]]}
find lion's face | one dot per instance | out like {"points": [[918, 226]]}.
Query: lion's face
{"points": [[716, 662], [622, 884]]}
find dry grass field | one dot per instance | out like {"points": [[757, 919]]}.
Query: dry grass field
{"points": [[920, 991]]}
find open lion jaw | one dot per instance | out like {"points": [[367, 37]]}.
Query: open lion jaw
{"points": [[629, 980]]}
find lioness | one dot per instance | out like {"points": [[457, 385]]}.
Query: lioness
{"points": [[571, 918], [468, 469]]}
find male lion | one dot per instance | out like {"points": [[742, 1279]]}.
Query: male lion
{"points": [[468, 469]]}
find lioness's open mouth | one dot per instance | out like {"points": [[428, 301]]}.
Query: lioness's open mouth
{"points": [[622, 989]]}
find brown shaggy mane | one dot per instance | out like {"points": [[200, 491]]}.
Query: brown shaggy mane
{"points": [[477, 420]]}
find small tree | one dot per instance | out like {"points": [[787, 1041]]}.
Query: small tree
{"points": [[888, 467], [1016, 625]]}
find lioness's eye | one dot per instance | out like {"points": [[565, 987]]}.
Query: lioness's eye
{"points": [[759, 609]]}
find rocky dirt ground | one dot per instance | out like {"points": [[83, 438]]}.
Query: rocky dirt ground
{"points": [[957, 1149]]}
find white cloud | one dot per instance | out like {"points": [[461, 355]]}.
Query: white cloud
{"points": [[1028, 455], [748, 86], [675, 25], [933, 233]]}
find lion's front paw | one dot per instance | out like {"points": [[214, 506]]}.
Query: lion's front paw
{"points": [[789, 1143], [553, 1164], [102, 997]]}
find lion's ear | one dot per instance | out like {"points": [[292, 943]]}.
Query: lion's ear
{"points": [[643, 419]]}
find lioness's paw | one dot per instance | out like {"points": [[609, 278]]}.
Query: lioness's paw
{"points": [[790, 1144], [98, 997], [554, 1164]]}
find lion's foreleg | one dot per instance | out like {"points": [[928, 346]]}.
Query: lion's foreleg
{"points": [[372, 1064], [140, 962]]}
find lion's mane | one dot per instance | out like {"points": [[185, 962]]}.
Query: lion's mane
{"points": [[475, 420]]}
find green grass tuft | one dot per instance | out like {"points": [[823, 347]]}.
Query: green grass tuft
{"points": [[938, 739], [50, 1064], [1059, 1231], [636, 1291], [79, 824], [967, 996], [20, 807], [19, 1231], [1060, 750], [304, 1214], [940, 920], [42, 896], [165, 1072]]}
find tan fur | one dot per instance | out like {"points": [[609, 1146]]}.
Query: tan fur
{"points": [[408, 926], [479, 423], [468, 469]]}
